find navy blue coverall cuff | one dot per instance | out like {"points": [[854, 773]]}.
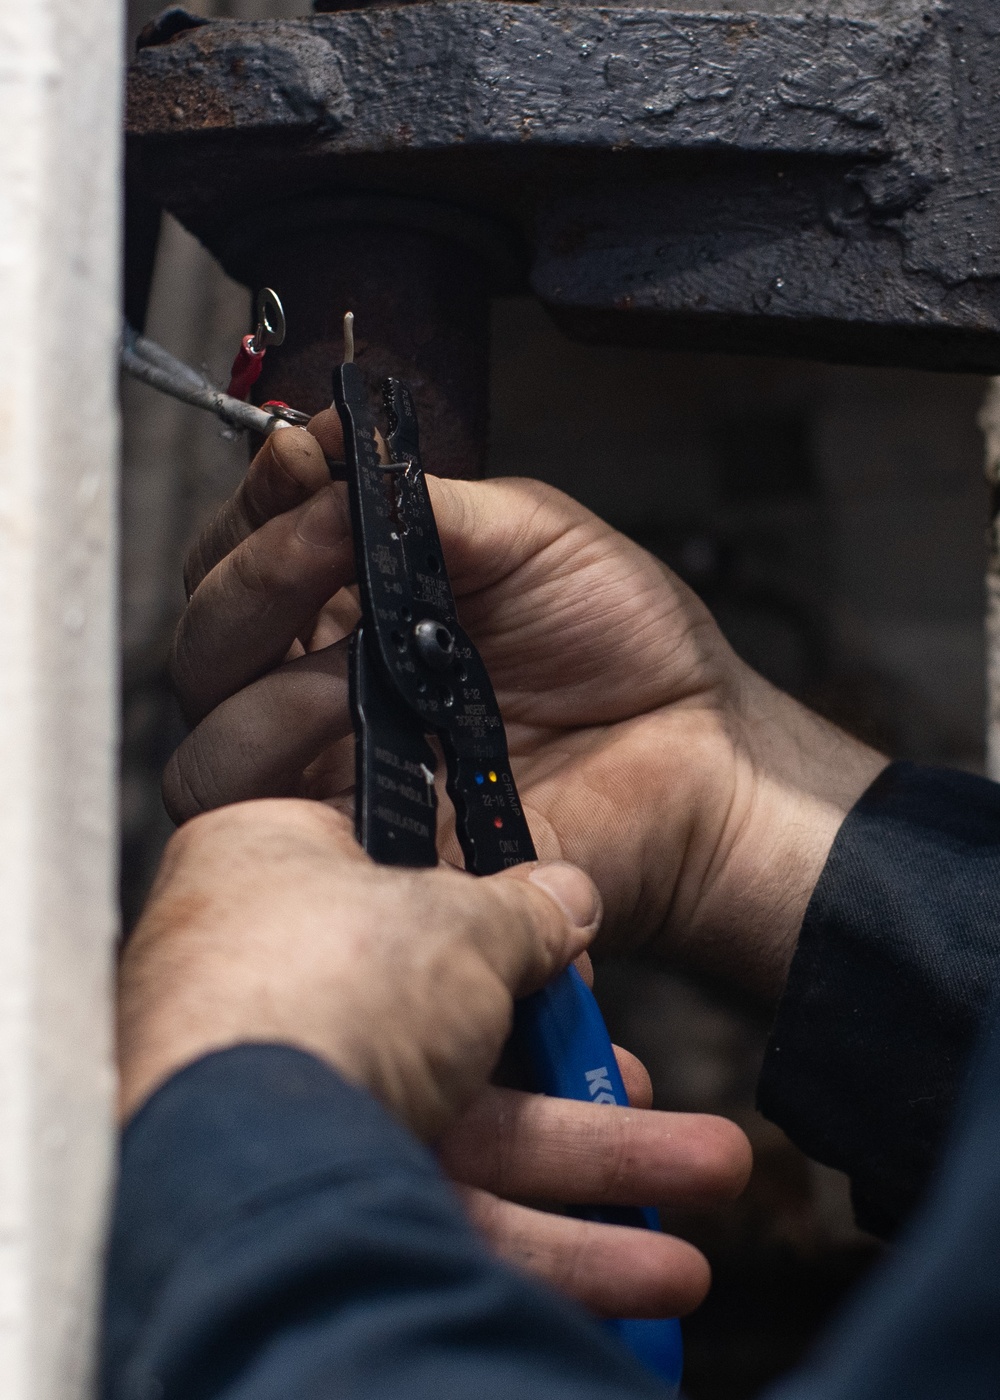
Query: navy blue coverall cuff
{"points": [[277, 1234], [896, 966]]}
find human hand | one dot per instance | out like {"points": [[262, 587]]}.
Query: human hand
{"points": [[701, 800], [268, 923], [261, 577]]}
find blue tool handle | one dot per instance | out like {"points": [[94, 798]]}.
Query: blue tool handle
{"points": [[571, 1056]]}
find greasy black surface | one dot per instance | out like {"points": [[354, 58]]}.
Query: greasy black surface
{"points": [[815, 184]]}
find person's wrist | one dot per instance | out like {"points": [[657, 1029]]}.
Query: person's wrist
{"points": [[766, 785], [793, 777]]}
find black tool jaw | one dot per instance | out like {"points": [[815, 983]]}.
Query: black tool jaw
{"points": [[413, 640], [395, 808]]}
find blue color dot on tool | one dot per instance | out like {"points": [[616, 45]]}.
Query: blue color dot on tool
{"points": [[480, 779]]}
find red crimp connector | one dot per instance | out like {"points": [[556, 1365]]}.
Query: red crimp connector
{"points": [[246, 368]]}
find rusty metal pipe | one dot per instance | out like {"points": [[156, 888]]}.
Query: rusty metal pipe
{"points": [[421, 298]]}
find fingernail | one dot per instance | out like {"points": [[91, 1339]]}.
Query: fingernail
{"points": [[322, 521], [575, 894]]}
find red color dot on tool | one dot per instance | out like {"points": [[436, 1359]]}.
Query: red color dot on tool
{"points": [[498, 823]]}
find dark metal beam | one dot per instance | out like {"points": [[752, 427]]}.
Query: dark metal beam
{"points": [[818, 185]]}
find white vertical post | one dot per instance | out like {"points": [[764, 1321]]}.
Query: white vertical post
{"points": [[59, 173]]}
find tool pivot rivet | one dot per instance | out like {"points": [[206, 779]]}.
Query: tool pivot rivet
{"points": [[435, 644]]}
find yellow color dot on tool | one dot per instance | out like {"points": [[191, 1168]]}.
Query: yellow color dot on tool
{"points": [[493, 776]]}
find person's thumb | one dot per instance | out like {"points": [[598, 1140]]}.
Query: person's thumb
{"points": [[536, 919]]}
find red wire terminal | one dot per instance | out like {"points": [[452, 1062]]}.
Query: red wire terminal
{"points": [[246, 367], [250, 357]]}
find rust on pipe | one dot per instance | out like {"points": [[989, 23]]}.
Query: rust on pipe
{"points": [[422, 306]]}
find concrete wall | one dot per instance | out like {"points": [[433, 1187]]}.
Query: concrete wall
{"points": [[59, 169]]}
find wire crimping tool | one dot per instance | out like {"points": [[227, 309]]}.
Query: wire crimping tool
{"points": [[414, 673]]}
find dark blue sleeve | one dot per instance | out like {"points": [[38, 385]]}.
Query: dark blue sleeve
{"points": [[277, 1236], [897, 963], [927, 1324]]}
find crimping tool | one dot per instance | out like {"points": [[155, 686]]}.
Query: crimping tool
{"points": [[415, 672]]}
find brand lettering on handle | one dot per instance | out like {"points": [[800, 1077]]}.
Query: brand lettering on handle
{"points": [[600, 1085]]}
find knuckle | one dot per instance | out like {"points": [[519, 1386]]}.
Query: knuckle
{"points": [[275, 820], [179, 798], [178, 669], [195, 567], [544, 925], [252, 501], [618, 1156], [277, 571], [501, 921], [199, 829], [502, 1158], [258, 569], [305, 817], [190, 783], [193, 679], [326, 821]]}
